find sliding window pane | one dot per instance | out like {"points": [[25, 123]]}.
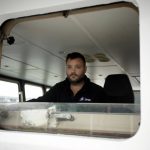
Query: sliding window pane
{"points": [[32, 91], [8, 92]]}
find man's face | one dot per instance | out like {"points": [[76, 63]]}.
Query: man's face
{"points": [[75, 70]]}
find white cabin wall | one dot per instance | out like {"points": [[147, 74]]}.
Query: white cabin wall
{"points": [[30, 141]]}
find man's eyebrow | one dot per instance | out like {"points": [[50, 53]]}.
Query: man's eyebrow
{"points": [[68, 65]]}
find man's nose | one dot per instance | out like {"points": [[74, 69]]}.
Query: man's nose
{"points": [[73, 70]]}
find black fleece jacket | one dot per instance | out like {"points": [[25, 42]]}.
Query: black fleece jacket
{"points": [[61, 92]]}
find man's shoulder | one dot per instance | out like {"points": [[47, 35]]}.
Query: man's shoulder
{"points": [[96, 86], [93, 85]]}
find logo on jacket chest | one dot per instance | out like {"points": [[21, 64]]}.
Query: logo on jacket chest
{"points": [[84, 99]]}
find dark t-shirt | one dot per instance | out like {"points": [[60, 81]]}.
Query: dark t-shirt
{"points": [[61, 92]]}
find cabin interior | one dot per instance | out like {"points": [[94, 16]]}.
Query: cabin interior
{"points": [[34, 48]]}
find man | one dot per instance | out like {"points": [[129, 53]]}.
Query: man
{"points": [[76, 87]]}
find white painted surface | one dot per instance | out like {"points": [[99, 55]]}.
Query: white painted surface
{"points": [[36, 141]]}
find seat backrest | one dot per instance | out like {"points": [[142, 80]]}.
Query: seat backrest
{"points": [[118, 89]]}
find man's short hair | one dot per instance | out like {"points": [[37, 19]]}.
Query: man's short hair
{"points": [[75, 55]]}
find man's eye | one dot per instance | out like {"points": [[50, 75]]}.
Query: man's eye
{"points": [[68, 67], [78, 67]]}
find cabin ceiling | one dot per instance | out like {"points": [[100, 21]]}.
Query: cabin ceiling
{"points": [[41, 45]]}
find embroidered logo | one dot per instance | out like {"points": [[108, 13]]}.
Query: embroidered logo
{"points": [[85, 99]]}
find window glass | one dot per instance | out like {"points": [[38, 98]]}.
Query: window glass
{"points": [[8, 92], [32, 91], [105, 120]]}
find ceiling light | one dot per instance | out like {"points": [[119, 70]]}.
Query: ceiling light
{"points": [[102, 57]]}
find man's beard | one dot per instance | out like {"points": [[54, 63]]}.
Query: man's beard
{"points": [[77, 81]]}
